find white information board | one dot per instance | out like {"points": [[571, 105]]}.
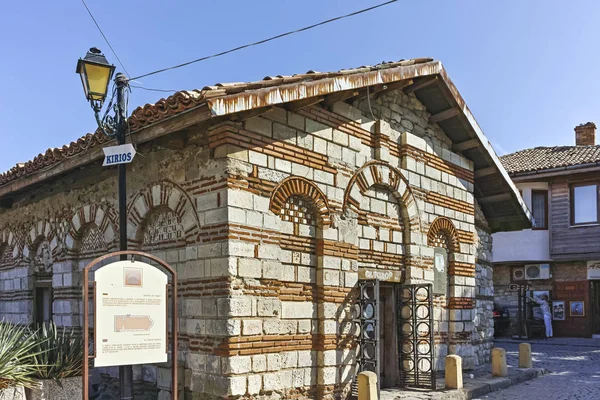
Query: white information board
{"points": [[131, 314], [593, 270]]}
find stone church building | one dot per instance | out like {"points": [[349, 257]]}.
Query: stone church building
{"points": [[281, 203]]}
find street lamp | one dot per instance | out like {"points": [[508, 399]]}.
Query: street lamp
{"points": [[96, 73]]}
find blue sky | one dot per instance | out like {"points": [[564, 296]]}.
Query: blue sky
{"points": [[527, 69]]}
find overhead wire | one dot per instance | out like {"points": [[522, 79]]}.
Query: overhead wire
{"points": [[268, 39], [104, 36], [153, 89], [306, 28]]}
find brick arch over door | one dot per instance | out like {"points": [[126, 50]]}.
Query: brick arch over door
{"points": [[305, 189], [92, 228], [443, 233], [168, 197], [382, 174]]}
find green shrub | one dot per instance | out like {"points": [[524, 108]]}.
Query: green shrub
{"points": [[58, 353], [18, 349]]}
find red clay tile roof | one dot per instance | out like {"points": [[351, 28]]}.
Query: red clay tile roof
{"points": [[542, 158], [175, 104]]}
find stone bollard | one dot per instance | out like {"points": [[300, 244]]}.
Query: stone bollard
{"points": [[367, 386], [499, 362], [454, 376], [525, 355]]}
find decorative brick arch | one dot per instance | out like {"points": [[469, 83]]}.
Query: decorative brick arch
{"points": [[442, 233], [44, 230], [10, 247], [302, 187], [164, 195], [382, 174], [99, 217]]}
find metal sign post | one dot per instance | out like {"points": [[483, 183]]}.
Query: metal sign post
{"points": [[119, 290]]}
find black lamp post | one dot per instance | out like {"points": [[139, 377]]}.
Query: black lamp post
{"points": [[96, 72]]}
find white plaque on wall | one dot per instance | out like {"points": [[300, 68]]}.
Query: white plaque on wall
{"points": [[130, 314], [593, 270], [440, 271]]}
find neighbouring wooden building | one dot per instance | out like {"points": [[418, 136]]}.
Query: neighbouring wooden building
{"points": [[561, 253], [283, 203]]}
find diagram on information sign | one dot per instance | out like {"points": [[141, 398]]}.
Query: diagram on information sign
{"points": [[133, 323]]}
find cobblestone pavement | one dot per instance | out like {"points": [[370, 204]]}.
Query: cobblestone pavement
{"points": [[574, 367]]}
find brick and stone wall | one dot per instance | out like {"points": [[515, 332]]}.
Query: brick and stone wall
{"points": [[270, 222], [483, 334]]}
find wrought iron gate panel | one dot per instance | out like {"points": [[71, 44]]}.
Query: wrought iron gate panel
{"points": [[367, 321], [415, 336]]}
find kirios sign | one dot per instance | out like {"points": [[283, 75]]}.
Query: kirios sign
{"points": [[115, 155]]}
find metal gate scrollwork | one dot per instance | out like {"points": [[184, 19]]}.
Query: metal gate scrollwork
{"points": [[367, 320], [415, 336]]}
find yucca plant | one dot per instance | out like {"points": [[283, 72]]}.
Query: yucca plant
{"points": [[58, 354], [18, 349]]}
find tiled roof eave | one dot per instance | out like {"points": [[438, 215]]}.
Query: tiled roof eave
{"points": [[182, 102]]}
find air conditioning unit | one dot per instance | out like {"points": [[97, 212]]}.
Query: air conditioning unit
{"points": [[518, 274], [537, 271]]}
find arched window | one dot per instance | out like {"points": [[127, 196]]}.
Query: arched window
{"points": [[443, 238]]}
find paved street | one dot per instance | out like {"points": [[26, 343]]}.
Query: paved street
{"points": [[574, 366]]}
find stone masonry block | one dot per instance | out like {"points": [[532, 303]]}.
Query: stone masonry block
{"points": [[241, 249], [249, 268], [269, 252], [296, 310], [272, 382], [259, 363], [236, 365], [268, 307], [234, 307], [260, 125], [289, 359], [231, 151], [272, 270], [318, 129], [237, 386], [257, 158], [279, 327], [273, 362], [328, 377], [328, 358], [254, 384], [240, 199], [306, 358], [252, 327]]}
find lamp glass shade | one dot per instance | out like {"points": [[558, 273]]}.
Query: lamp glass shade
{"points": [[98, 77], [95, 73]]}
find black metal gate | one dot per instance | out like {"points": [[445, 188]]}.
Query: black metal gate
{"points": [[367, 320], [415, 336]]}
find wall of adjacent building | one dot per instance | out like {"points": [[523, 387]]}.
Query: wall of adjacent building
{"points": [[568, 283], [527, 244]]}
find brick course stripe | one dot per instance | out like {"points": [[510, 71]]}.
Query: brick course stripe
{"points": [[229, 134], [461, 303], [450, 203], [436, 162]]}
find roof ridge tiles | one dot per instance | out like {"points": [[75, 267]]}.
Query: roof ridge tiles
{"points": [[180, 101]]}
